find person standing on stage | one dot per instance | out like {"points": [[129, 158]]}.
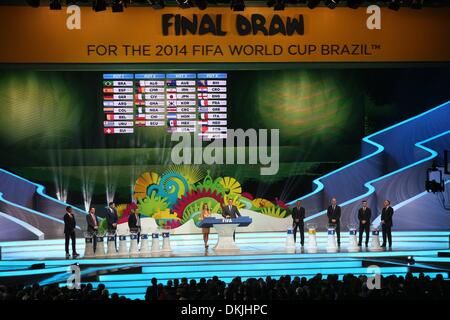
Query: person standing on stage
{"points": [[386, 223], [298, 216], [364, 215], [334, 217], [69, 232], [134, 222], [231, 212], [111, 220], [206, 212], [111, 217], [92, 225]]}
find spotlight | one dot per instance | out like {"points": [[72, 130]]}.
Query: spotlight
{"points": [[99, 5], [237, 5], [394, 5], [313, 3], [157, 4], [331, 3], [55, 5], [354, 4], [184, 4], [201, 4], [117, 6]]}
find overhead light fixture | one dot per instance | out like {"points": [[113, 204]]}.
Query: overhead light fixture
{"points": [[201, 4], [184, 4], [237, 5], [117, 6], [99, 5], [313, 3], [55, 5], [394, 5], [331, 3], [157, 4]]}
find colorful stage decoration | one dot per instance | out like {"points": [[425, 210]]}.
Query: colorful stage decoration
{"points": [[177, 196]]}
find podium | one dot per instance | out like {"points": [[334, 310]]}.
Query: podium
{"points": [[375, 240], [123, 251], [290, 243], [352, 241], [134, 252], [111, 240], [225, 229], [88, 245], [100, 247], [312, 241], [331, 231]]}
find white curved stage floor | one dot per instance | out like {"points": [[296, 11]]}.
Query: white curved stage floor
{"points": [[249, 244]]}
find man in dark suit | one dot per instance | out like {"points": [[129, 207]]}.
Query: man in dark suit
{"points": [[298, 216], [231, 212], [69, 232], [386, 223], [334, 217], [92, 225], [134, 222], [111, 217], [364, 215]]}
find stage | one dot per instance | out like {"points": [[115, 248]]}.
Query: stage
{"points": [[260, 255]]}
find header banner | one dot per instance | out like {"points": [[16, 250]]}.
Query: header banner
{"points": [[174, 35]]}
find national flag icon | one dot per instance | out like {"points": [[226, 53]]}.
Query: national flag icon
{"points": [[203, 96], [171, 116], [202, 123], [140, 117], [171, 103], [108, 110], [171, 96], [202, 89], [140, 123], [171, 109], [173, 123], [204, 116], [110, 117], [108, 130], [171, 83], [139, 102], [202, 109], [108, 90], [107, 83], [170, 130], [108, 97], [203, 103], [140, 89], [171, 90], [204, 129], [201, 82], [138, 96]]}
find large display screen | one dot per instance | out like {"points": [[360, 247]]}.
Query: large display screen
{"points": [[94, 134]]}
